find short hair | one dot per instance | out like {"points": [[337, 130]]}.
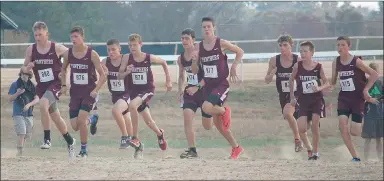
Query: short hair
{"points": [[346, 38], [39, 25], [309, 44], [374, 66], [113, 42], [135, 37], [188, 31], [285, 38], [29, 73], [210, 19], [77, 29]]}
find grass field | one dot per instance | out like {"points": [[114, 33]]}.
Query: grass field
{"points": [[257, 124]]}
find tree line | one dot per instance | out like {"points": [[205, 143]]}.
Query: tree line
{"points": [[163, 21]]}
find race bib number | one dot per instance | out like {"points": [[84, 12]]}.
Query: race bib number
{"points": [[139, 78], [347, 85], [80, 78], [285, 85], [307, 86], [117, 85], [210, 71], [192, 79], [46, 75]]}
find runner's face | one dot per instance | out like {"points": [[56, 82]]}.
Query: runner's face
{"points": [[208, 28], [305, 53], [285, 47], [113, 51], [134, 46], [187, 41], [342, 47], [41, 35], [77, 38]]}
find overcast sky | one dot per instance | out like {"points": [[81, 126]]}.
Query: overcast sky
{"points": [[370, 5]]}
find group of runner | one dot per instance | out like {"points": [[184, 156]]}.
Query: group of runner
{"points": [[130, 81], [302, 83]]}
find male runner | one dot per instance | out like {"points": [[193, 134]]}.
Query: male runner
{"points": [[351, 71], [281, 66], [311, 81], [84, 63], [119, 90], [190, 103], [213, 61], [44, 58], [137, 66]]}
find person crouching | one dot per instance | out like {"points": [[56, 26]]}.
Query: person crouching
{"points": [[22, 93]]}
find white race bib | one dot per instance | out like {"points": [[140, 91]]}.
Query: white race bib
{"points": [[285, 85], [46, 75], [347, 85], [117, 85], [80, 78], [192, 79], [210, 71], [139, 78], [307, 86]]}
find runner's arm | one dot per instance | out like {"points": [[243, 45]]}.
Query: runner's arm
{"points": [[271, 66], [373, 75], [123, 67], [226, 45], [181, 81], [163, 63], [64, 69], [325, 84], [60, 49], [195, 60], [334, 74], [103, 65], [291, 82], [103, 77], [27, 59]]}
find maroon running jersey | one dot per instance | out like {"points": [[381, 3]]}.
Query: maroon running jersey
{"points": [[192, 79], [214, 64], [283, 74], [141, 77], [352, 79], [83, 74], [115, 86], [305, 79], [47, 67]]}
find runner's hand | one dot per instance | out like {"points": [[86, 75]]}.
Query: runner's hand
{"points": [[30, 66], [93, 94], [129, 68], [293, 102], [168, 84], [233, 75], [372, 100], [315, 88], [192, 90]]}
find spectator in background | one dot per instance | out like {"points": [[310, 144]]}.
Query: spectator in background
{"points": [[23, 95], [373, 119]]}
